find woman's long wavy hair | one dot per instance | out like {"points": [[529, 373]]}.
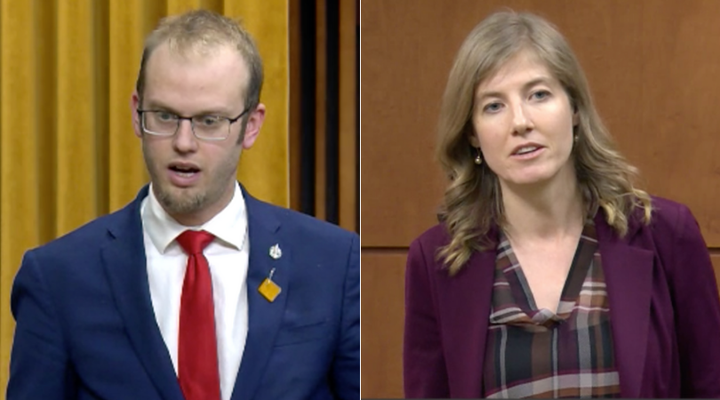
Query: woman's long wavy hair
{"points": [[473, 199]]}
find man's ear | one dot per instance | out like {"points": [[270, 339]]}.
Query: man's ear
{"points": [[134, 105], [254, 123]]}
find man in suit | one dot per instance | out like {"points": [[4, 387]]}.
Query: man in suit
{"points": [[195, 290]]}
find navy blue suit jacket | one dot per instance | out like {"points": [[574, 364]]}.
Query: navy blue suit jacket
{"points": [[86, 328]]}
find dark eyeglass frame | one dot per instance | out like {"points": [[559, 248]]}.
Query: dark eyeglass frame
{"points": [[180, 118]]}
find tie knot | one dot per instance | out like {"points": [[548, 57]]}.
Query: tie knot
{"points": [[193, 242]]}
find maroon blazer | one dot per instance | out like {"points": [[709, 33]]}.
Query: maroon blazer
{"points": [[664, 308]]}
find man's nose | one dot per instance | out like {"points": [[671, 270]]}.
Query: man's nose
{"points": [[185, 139]]}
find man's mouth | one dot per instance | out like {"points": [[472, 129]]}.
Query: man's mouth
{"points": [[184, 170]]}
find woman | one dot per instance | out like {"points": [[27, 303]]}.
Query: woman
{"points": [[550, 274]]}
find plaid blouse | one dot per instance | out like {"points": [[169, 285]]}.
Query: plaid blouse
{"points": [[536, 353]]}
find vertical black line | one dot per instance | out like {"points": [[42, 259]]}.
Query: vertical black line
{"points": [[332, 112], [307, 106]]}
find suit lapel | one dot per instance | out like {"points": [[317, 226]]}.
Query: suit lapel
{"points": [[125, 265], [465, 302], [264, 317], [629, 275]]}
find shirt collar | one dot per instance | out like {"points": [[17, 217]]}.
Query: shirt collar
{"points": [[229, 225]]}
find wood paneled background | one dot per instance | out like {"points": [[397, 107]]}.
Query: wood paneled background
{"points": [[653, 68], [324, 113]]}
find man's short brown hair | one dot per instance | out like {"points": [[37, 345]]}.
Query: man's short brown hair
{"points": [[202, 30]]}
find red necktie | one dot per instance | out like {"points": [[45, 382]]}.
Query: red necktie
{"points": [[197, 345]]}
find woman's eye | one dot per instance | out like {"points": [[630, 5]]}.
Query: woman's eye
{"points": [[492, 107], [540, 94]]}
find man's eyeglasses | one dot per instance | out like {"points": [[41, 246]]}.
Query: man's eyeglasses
{"points": [[204, 127]]}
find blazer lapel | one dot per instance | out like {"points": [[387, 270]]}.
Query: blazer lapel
{"points": [[465, 302], [125, 266], [629, 275], [264, 317]]}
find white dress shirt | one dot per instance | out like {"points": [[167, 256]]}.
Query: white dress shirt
{"points": [[227, 256]]}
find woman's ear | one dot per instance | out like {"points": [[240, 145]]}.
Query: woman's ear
{"points": [[472, 136], [576, 114]]}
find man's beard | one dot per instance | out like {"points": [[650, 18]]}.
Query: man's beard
{"points": [[179, 203]]}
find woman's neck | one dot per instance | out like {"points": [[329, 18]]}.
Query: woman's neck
{"points": [[546, 211]]}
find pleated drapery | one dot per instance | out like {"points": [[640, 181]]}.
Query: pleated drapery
{"points": [[67, 149]]}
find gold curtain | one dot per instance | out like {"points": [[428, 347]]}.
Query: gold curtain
{"points": [[67, 149]]}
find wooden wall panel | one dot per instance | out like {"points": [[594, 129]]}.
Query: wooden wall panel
{"points": [[348, 143], [715, 257], [382, 305], [324, 133], [652, 73], [650, 70]]}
